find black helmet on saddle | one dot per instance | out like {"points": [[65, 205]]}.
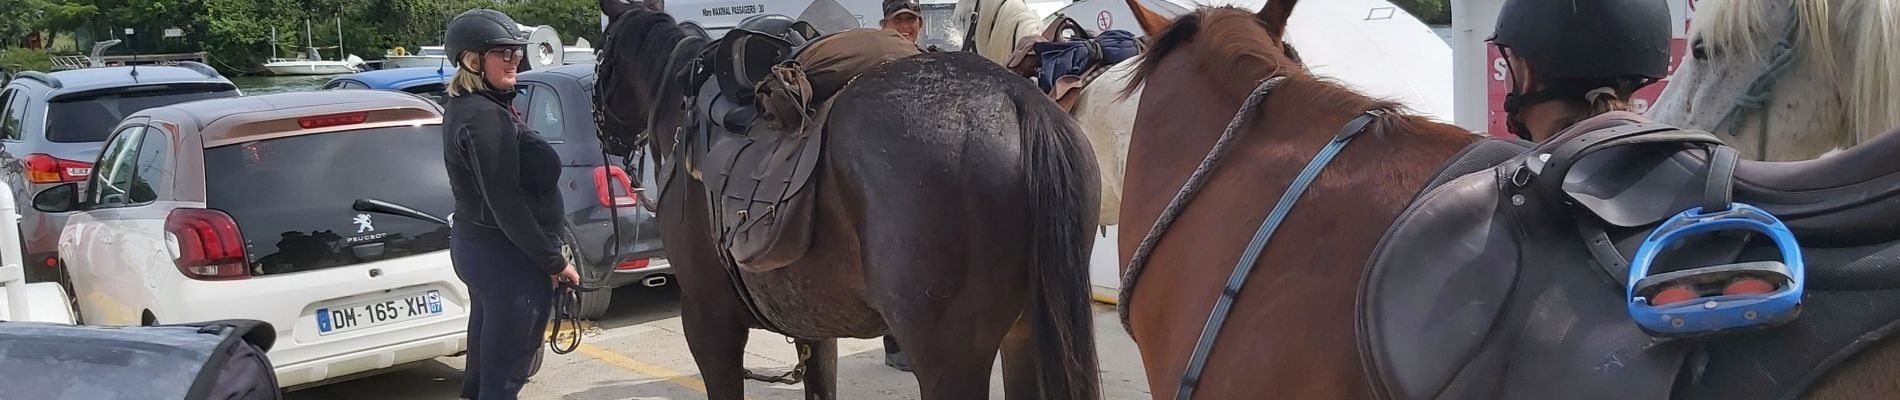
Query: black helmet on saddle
{"points": [[480, 29], [1588, 39], [748, 51]]}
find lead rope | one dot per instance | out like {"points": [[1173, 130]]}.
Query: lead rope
{"points": [[1140, 259]]}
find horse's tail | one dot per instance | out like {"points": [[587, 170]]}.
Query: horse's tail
{"points": [[1063, 185]]}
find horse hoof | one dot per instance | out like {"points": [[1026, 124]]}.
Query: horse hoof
{"points": [[1748, 286], [1674, 294]]}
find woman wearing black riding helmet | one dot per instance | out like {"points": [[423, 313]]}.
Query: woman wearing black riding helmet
{"points": [[1572, 60], [507, 209]]}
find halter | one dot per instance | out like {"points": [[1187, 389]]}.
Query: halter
{"points": [[1198, 361], [1756, 97]]}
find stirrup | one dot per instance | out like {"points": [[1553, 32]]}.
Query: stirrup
{"points": [[1723, 312]]}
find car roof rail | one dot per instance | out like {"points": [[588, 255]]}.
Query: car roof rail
{"points": [[201, 68], [42, 77]]}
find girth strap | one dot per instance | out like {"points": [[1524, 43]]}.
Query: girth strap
{"points": [[1198, 361]]}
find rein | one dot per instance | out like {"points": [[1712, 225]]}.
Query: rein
{"points": [[567, 304], [1781, 57], [1197, 362]]}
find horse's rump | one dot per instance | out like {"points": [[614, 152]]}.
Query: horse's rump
{"points": [[1488, 287]]}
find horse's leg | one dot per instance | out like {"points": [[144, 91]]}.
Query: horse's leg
{"points": [[715, 325], [1873, 374], [948, 306], [821, 368], [948, 311], [1020, 381], [711, 312]]}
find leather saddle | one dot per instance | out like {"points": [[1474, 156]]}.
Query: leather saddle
{"points": [[1083, 58], [757, 152], [1504, 277]]}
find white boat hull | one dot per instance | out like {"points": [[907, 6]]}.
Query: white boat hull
{"points": [[415, 61], [310, 68]]}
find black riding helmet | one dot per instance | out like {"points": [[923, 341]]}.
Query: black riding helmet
{"points": [[1586, 39], [1582, 41], [479, 29]]}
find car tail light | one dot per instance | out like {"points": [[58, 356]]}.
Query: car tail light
{"points": [[633, 264], [209, 245], [42, 168], [610, 196], [332, 120]]}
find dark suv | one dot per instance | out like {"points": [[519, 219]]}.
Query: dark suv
{"points": [[53, 124], [558, 104]]}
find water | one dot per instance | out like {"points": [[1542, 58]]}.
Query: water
{"points": [[255, 85]]}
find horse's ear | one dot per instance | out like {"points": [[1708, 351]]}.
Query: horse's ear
{"points": [[1151, 23], [1275, 15], [613, 8]]}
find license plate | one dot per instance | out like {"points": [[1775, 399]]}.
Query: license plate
{"points": [[378, 312]]}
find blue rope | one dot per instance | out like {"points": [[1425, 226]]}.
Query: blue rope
{"points": [[1756, 97]]}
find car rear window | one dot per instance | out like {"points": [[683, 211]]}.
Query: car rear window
{"points": [[292, 197], [90, 118]]}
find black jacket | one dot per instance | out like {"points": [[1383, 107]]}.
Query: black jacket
{"points": [[504, 176]]}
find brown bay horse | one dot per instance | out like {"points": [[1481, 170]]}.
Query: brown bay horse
{"points": [[1292, 333], [954, 206]]}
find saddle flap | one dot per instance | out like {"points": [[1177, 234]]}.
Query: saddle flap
{"points": [[1626, 172], [1436, 285], [760, 188], [1634, 185], [1482, 290]]}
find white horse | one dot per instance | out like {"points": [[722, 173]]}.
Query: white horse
{"points": [[1840, 84], [1106, 117]]}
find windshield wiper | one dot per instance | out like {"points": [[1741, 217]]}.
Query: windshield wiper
{"points": [[384, 207]]}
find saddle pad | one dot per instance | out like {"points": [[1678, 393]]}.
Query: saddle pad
{"points": [[833, 61]]}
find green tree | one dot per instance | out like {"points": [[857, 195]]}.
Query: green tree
{"points": [[18, 18], [1433, 12]]}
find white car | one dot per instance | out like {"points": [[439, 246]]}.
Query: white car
{"points": [[320, 213]]}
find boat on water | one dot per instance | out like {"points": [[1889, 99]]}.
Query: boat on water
{"points": [[544, 38], [312, 62], [426, 56], [296, 66]]}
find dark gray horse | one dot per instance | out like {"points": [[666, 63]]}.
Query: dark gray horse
{"points": [[953, 210]]}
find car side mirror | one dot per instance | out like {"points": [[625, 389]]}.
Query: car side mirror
{"points": [[58, 199]]}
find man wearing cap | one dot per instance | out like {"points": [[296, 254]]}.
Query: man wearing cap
{"points": [[904, 17]]}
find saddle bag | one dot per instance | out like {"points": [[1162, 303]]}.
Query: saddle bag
{"points": [[218, 360]]}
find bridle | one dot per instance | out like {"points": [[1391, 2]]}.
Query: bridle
{"points": [[969, 35], [1780, 58]]}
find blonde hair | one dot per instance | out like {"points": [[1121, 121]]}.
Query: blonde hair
{"points": [[466, 79]]}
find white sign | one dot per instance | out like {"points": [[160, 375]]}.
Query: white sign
{"points": [[174, 32]]}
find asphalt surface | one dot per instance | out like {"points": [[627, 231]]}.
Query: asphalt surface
{"points": [[638, 351]]}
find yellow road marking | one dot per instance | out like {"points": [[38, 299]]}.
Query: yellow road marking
{"points": [[630, 364], [1102, 298]]}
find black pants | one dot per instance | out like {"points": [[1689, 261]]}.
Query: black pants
{"points": [[508, 311]]}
